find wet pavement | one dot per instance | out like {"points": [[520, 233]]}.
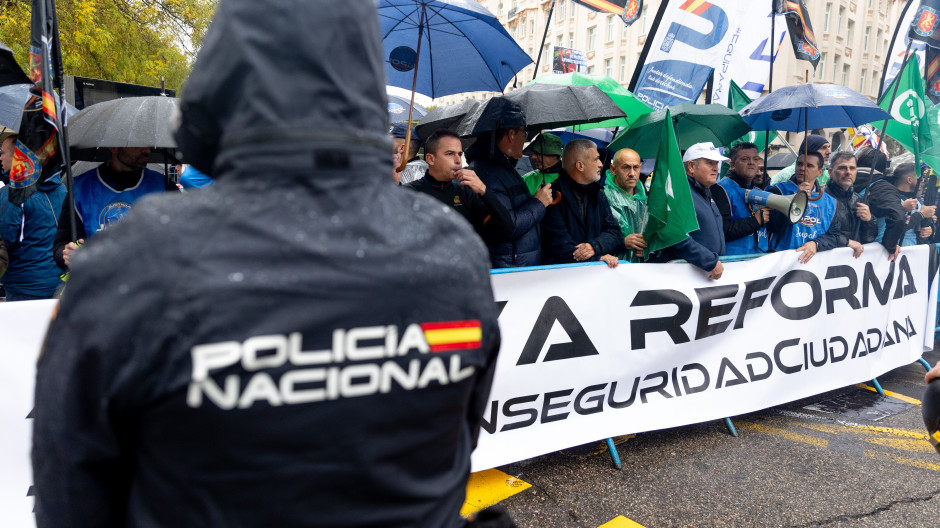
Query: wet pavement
{"points": [[849, 457]]}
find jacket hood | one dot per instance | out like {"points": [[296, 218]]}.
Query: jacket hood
{"points": [[299, 84], [640, 188]]}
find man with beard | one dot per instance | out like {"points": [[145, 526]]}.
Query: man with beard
{"points": [[858, 225], [745, 233], [581, 227], [297, 344], [545, 154], [103, 196], [627, 198]]}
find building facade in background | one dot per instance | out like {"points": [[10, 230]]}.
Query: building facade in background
{"points": [[853, 39]]}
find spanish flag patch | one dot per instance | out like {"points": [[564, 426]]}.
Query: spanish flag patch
{"points": [[452, 335]]}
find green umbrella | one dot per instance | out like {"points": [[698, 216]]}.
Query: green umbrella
{"points": [[633, 107], [693, 124]]}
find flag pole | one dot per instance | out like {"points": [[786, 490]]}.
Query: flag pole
{"points": [[414, 86], [770, 83], [551, 9], [62, 119], [894, 93]]}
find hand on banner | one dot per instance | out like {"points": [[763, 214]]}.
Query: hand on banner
{"points": [[932, 373], [928, 211], [863, 212], [583, 251], [610, 260], [807, 250], [857, 247], [910, 204], [716, 272], [894, 256]]}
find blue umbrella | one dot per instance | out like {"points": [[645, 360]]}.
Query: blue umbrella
{"points": [[808, 106], [13, 99], [398, 110], [460, 47]]}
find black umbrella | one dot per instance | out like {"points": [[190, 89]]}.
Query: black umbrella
{"points": [[10, 71], [444, 117], [545, 106], [128, 122]]}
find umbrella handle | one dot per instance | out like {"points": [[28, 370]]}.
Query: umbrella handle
{"points": [[557, 199]]}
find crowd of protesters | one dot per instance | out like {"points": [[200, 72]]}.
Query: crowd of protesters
{"points": [[568, 209], [564, 211]]}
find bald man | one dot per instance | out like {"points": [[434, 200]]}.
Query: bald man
{"points": [[628, 201], [581, 227]]}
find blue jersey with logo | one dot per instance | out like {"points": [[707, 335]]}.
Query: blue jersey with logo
{"points": [[746, 245], [99, 205], [819, 215]]}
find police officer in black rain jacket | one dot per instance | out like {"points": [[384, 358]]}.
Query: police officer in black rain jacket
{"points": [[296, 345]]}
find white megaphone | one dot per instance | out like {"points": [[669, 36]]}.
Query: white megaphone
{"points": [[792, 205]]}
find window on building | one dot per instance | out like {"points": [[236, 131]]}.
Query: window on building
{"points": [[590, 70], [591, 37], [827, 16], [836, 64], [608, 67], [878, 38], [874, 84], [821, 67], [865, 41], [499, 10], [623, 68], [871, 3], [850, 33], [845, 74], [571, 11], [841, 19], [561, 10], [559, 41], [570, 40], [861, 81], [644, 15], [532, 27], [515, 5], [610, 28]]}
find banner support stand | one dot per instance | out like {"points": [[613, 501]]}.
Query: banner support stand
{"points": [[730, 426], [614, 455], [924, 363], [874, 381]]}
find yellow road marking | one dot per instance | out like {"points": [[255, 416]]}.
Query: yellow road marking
{"points": [[894, 395], [903, 444], [486, 488], [783, 433], [621, 522], [876, 455], [870, 429]]}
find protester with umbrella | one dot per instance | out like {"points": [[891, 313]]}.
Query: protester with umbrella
{"points": [[545, 154], [500, 137]]}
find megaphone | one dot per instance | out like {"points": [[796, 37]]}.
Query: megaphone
{"points": [[792, 205]]}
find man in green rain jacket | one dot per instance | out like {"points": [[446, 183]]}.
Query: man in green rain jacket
{"points": [[545, 154], [627, 199]]}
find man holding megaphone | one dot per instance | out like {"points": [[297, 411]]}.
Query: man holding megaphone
{"points": [[819, 229], [744, 222]]}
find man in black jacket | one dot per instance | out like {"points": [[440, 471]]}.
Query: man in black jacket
{"points": [[493, 158], [855, 219], [581, 227], [460, 188], [276, 349]]}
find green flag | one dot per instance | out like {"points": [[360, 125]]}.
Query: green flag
{"points": [[737, 100], [908, 110], [931, 156], [670, 207]]}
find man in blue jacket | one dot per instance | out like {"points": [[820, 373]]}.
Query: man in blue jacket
{"points": [[29, 231], [703, 246], [819, 230]]}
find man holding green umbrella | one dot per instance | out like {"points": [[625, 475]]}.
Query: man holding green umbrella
{"points": [[545, 154]]}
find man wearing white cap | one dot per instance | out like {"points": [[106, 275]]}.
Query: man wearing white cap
{"points": [[704, 246]]}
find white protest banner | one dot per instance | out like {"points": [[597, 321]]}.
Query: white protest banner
{"points": [[23, 326], [590, 353], [747, 53], [695, 38]]}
